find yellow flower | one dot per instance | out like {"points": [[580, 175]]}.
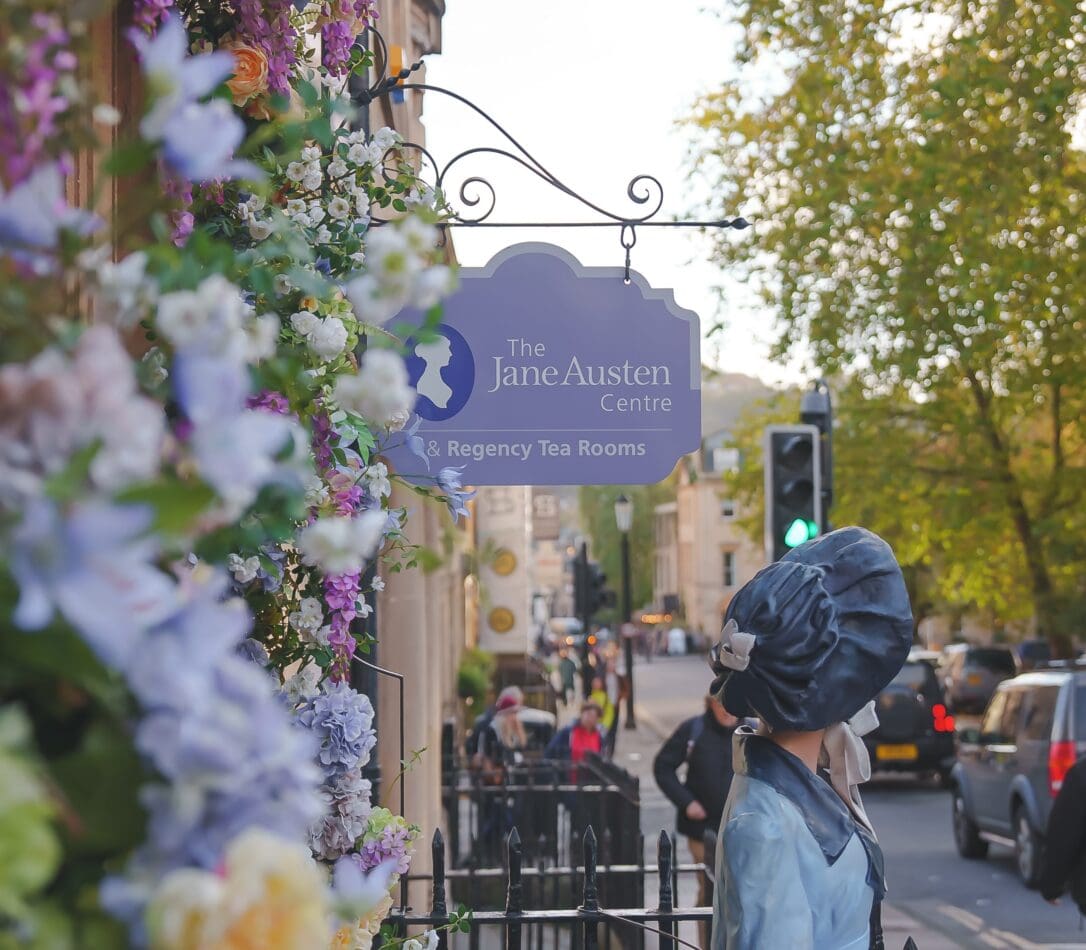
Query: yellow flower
{"points": [[360, 936], [271, 895]]}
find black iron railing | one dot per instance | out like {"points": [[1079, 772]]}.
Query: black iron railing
{"points": [[583, 921]]}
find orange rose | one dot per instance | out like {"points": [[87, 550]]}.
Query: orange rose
{"points": [[250, 73]]}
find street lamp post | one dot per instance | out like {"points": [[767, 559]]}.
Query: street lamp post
{"points": [[624, 520]]}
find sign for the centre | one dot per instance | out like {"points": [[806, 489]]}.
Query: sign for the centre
{"points": [[545, 372]]}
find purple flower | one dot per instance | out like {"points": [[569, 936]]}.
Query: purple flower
{"points": [[198, 139], [269, 401], [32, 215], [149, 13], [236, 449], [266, 24], [95, 565], [448, 480], [33, 98]]}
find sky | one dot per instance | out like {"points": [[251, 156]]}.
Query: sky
{"points": [[595, 90]]}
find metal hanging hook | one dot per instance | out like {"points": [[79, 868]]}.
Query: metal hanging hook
{"points": [[628, 244]]}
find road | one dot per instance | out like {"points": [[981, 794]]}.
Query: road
{"points": [[974, 904]]}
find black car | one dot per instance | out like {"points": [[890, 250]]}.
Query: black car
{"points": [[916, 728]]}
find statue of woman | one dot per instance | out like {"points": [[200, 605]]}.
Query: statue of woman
{"points": [[807, 644]]}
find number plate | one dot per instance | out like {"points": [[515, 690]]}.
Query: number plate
{"points": [[899, 753]]}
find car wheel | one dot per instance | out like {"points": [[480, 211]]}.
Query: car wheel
{"points": [[1027, 849], [966, 834]]}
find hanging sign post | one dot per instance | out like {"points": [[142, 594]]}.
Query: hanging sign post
{"points": [[545, 372]]}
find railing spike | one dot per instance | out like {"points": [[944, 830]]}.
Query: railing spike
{"points": [[514, 898], [439, 902]]}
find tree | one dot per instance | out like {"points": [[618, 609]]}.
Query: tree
{"points": [[918, 199], [597, 503]]}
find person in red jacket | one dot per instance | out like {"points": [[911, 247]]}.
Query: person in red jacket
{"points": [[575, 741]]}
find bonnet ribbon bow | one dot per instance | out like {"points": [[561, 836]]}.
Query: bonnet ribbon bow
{"points": [[734, 648], [849, 763]]}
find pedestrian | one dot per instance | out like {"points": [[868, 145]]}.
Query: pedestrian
{"points": [[573, 742], [567, 672], [704, 745], [608, 715], [501, 749], [473, 744], [1065, 842], [807, 645]]}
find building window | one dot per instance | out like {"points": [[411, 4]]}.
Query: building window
{"points": [[729, 568], [727, 510]]}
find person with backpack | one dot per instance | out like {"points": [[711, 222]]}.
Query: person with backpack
{"points": [[704, 745], [1065, 843]]}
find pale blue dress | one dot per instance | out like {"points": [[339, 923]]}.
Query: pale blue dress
{"points": [[793, 869]]}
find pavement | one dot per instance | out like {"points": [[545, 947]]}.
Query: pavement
{"points": [[936, 897]]}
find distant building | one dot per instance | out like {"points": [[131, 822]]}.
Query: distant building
{"points": [[702, 555]]}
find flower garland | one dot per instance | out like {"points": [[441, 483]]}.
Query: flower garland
{"points": [[197, 530]]}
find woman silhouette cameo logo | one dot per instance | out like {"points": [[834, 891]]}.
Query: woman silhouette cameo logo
{"points": [[442, 370], [436, 356]]}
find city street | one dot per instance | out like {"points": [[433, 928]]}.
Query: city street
{"points": [[954, 902]]}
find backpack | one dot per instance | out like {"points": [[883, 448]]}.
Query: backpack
{"points": [[696, 729]]}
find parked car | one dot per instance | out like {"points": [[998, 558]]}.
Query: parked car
{"points": [[916, 728], [932, 657], [1011, 768], [1033, 653], [971, 675]]}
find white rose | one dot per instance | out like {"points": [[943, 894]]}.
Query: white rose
{"points": [[316, 213], [304, 322], [337, 168], [259, 230], [385, 137], [378, 583], [311, 154], [263, 338], [296, 171], [362, 202], [339, 208], [328, 338], [338, 545], [357, 154], [431, 285], [379, 390], [243, 569], [323, 235]]}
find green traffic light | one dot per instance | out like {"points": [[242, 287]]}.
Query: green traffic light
{"points": [[799, 531]]}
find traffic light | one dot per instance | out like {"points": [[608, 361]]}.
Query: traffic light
{"points": [[793, 487], [599, 594], [590, 591]]}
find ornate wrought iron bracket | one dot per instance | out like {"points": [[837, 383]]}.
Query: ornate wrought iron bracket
{"points": [[477, 197]]}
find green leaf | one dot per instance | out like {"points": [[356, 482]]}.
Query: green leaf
{"points": [[177, 503], [68, 483], [128, 158]]}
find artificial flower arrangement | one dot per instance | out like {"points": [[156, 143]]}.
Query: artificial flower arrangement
{"points": [[193, 505]]}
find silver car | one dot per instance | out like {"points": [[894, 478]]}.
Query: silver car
{"points": [[1009, 771]]}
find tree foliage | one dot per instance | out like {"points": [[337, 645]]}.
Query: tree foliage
{"points": [[918, 193], [597, 503]]}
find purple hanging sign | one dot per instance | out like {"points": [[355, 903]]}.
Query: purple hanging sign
{"points": [[546, 372]]}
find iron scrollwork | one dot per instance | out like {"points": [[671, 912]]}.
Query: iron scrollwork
{"points": [[476, 195]]}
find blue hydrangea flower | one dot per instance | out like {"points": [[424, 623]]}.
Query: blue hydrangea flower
{"points": [[342, 721]]}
